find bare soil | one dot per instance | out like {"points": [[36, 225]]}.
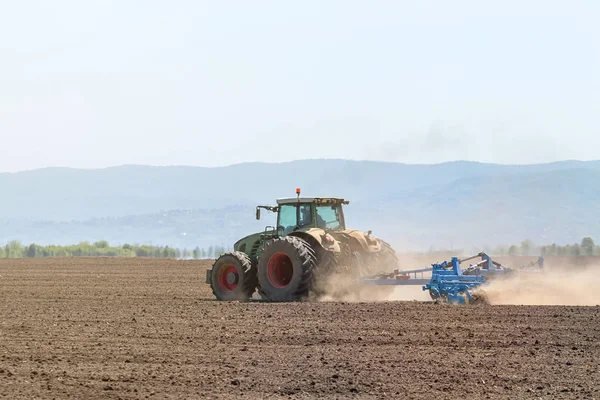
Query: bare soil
{"points": [[140, 328]]}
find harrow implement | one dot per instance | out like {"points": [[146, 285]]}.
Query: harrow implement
{"points": [[398, 277], [449, 282]]}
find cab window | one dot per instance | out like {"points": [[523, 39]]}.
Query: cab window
{"points": [[287, 216], [328, 217], [305, 215]]}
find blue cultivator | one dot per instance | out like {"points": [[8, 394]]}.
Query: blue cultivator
{"points": [[449, 284], [449, 281]]}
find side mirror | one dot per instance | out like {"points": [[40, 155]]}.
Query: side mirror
{"points": [[257, 213]]}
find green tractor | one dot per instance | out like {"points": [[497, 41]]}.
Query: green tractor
{"points": [[286, 262]]}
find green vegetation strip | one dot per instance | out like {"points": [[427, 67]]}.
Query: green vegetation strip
{"points": [[15, 249]]}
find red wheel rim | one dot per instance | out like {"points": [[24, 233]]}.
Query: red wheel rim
{"points": [[280, 270], [228, 277]]}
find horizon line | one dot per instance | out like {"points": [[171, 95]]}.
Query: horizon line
{"points": [[288, 162]]}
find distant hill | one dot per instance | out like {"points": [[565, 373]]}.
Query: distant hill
{"points": [[176, 228], [454, 204]]}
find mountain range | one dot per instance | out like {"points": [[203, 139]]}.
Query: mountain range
{"points": [[450, 205]]}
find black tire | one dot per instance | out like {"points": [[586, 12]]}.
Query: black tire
{"points": [[331, 263], [358, 265], [286, 269], [385, 259], [328, 266], [233, 277]]}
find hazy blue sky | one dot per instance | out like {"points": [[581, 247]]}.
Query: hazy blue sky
{"points": [[99, 83]]}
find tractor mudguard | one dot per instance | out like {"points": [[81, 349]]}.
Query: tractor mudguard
{"points": [[360, 241], [320, 236]]}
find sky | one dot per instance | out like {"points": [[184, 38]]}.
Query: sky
{"points": [[91, 84]]}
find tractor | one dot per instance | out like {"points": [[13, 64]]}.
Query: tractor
{"points": [[309, 244]]}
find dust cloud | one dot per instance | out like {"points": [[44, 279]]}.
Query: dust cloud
{"points": [[574, 287], [566, 286], [342, 288]]}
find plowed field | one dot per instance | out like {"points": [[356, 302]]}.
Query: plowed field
{"points": [[136, 328]]}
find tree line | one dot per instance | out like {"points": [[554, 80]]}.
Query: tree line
{"points": [[586, 247], [16, 249]]}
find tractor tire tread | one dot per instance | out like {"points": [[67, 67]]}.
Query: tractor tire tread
{"points": [[250, 278], [309, 264]]}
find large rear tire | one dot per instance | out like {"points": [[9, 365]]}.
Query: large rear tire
{"points": [[286, 269], [233, 277], [386, 259], [328, 269]]}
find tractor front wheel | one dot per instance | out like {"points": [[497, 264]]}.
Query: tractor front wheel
{"points": [[233, 277], [286, 269]]}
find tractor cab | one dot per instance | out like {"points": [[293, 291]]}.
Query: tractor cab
{"points": [[302, 213]]}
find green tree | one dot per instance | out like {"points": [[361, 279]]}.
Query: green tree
{"points": [[31, 250], [14, 249], [526, 246], [144, 251], [196, 253], [513, 250], [587, 246]]}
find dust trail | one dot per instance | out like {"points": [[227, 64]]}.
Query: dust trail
{"points": [[567, 286], [576, 287], [343, 288], [406, 293], [340, 287]]}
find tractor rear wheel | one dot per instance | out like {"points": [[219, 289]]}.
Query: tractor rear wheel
{"points": [[359, 267], [233, 277], [286, 269], [386, 259]]}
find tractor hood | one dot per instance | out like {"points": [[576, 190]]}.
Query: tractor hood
{"points": [[248, 244]]}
